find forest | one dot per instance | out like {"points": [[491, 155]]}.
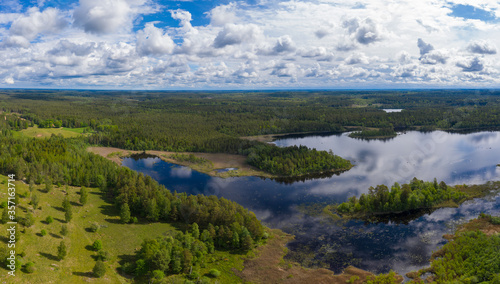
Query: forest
{"points": [[471, 256], [216, 121], [417, 194]]}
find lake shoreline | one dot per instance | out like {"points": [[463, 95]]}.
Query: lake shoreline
{"points": [[218, 161]]}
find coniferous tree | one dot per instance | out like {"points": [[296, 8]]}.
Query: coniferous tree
{"points": [[69, 214], [61, 250], [125, 213], [83, 195], [99, 269]]}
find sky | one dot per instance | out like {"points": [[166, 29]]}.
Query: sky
{"points": [[250, 44]]}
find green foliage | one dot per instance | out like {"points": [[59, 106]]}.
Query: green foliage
{"points": [[158, 275], [61, 250], [102, 255], [66, 205], [415, 195], [382, 132], [43, 232], [29, 267], [97, 245], [471, 254], [125, 213], [29, 220], [34, 201], [49, 220], [84, 195], [94, 227], [389, 278], [5, 215], [68, 215], [99, 269], [64, 230], [294, 160], [214, 273], [48, 185]]}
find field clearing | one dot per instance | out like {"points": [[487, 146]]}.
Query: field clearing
{"points": [[47, 132]]}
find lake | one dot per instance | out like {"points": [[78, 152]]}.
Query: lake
{"points": [[451, 157]]}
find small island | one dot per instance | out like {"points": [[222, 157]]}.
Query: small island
{"points": [[414, 196], [380, 133]]}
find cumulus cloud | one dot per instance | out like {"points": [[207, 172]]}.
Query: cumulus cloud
{"points": [[482, 47], [233, 34], [223, 14], [356, 58], [26, 28], [364, 32], [283, 44], [473, 64], [434, 57], [424, 47], [108, 16], [65, 48], [152, 40], [284, 69]]}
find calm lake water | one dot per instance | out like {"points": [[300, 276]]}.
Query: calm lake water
{"points": [[453, 158]]}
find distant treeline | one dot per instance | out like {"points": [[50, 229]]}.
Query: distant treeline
{"points": [[214, 122]]}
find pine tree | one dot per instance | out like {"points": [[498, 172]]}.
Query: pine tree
{"points": [[247, 243], [99, 269], [64, 230], [66, 204], [34, 201], [69, 214], [125, 213], [83, 195], [61, 250]]}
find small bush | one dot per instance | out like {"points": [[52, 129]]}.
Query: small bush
{"points": [[94, 227], [43, 232], [214, 273], [97, 245], [99, 269], [103, 255], [64, 230], [49, 220], [29, 267]]}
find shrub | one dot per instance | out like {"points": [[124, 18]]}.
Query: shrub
{"points": [[214, 273], [64, 230], [49, 220], [94, 227], [29, 267], [103, 255], [43, 232], [99, 269], [97, 245]]}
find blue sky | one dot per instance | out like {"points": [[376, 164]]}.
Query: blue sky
{"points": [[253, 44]]}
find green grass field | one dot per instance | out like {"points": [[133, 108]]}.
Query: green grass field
{"points": [[120, 240], [47, 132]]}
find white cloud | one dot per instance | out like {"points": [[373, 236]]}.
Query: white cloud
{"points": [[222, 15], [152, 40], [482, 47], [26, 28], [109, 16], [280, 44], [471, 64], [233, 34]]}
